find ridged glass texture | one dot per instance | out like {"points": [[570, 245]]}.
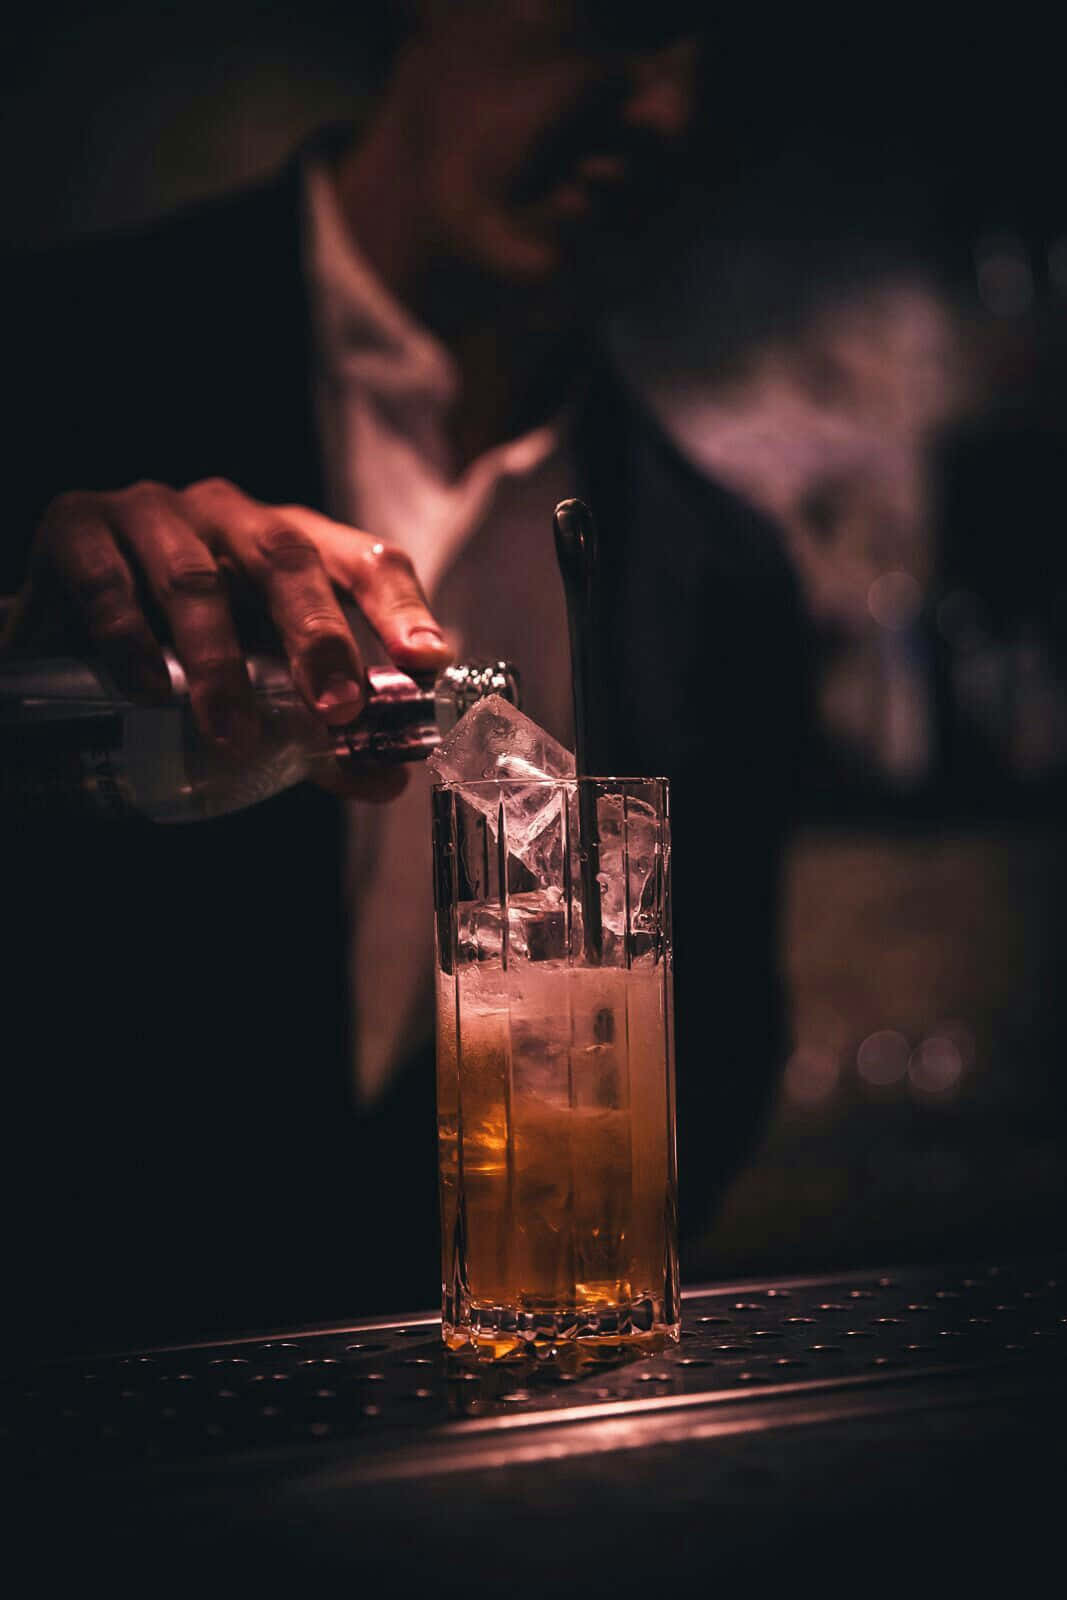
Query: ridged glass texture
{"points": [[555, 1068]]}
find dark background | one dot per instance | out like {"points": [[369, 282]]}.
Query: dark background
{"points": [[115, 114]]}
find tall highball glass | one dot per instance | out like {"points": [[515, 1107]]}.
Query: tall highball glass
{"points": [[555, 1068]]}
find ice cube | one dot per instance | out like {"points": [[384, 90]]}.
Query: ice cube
{"points": [[495, 741], [629, 833], [536, 923]]}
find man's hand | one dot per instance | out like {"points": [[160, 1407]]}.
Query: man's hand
{"points": [[128, 567]]}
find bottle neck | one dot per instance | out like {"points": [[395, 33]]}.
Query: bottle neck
{"points": [[405, 718], [461, 686], [398, 722]]}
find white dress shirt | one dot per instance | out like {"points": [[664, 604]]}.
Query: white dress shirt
{"points": [[483, 548]]}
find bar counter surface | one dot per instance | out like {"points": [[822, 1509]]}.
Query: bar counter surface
{"points": [[903, 1423]]}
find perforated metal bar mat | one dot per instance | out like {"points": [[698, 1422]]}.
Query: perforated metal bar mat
{"points": [[373, 1390]]}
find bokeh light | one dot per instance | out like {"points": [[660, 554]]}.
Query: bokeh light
{"points": [[894, 600], [962, 1036], [936, 1067], [811, 1075], [883, 1057]]}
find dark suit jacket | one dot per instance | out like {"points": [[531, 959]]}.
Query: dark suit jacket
{"points": [[187, 1157]]}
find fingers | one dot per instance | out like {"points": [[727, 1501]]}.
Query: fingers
{"points": [[322, 653], [285, 565], [382, 580], [107, 553], [383, 583], [185, 581], [78, 554]]}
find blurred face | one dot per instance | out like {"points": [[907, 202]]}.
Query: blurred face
{"points": [[537, 129]]}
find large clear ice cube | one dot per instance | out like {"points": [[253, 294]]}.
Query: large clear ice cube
{"points": [[496, 741]]}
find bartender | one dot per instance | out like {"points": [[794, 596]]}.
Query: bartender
{"points": [[368, 380]]}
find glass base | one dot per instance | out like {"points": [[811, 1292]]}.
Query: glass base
{"points": [[570, 1335]]}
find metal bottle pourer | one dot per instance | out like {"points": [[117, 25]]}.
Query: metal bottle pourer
{"points": [[576, 552], [405, 718]]}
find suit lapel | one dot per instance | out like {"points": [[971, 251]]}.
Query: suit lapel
{"points": [[260, 424]]}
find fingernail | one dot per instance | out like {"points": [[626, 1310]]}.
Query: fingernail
{"points": [[423, 636], [340, 698]]}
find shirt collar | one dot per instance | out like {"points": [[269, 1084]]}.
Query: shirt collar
{"points": [[364, 329]]}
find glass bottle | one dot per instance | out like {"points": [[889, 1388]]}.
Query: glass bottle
{"points": [[70, 740]]}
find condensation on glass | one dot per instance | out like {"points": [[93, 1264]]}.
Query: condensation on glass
{"points": [[555, 1067]]}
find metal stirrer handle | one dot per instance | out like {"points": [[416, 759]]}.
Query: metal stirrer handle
{"points": [[576, 552]]}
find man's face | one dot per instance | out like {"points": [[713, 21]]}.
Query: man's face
{"points": [[539, 132]]}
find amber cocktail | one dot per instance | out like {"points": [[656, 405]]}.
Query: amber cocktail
{"points": [[555, 1069]]}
